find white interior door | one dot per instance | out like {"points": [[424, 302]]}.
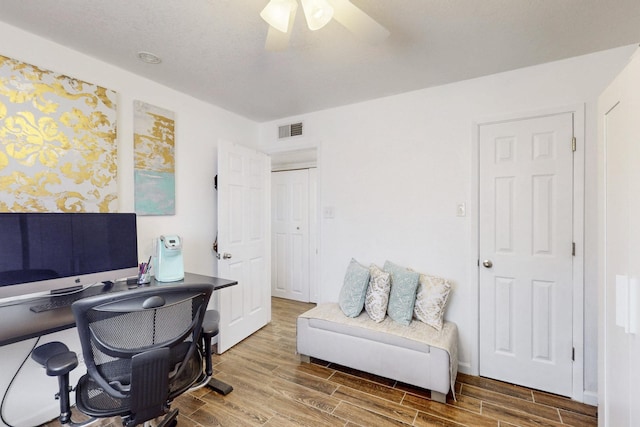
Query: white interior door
{"points": [[290, 234], [525, 249], [244, 185]]}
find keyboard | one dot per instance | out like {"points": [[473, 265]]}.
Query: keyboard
{"points": [[62, 301]]}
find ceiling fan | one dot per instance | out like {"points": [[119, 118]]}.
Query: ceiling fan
{"points": [[280, 15]]}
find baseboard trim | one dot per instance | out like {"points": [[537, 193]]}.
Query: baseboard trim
{"points": [[465, 368], [590, 398]]}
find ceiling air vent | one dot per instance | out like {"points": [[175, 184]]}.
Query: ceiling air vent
{"points": [[286, 131]]}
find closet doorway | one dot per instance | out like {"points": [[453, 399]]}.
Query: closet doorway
{"points": [[294, 228]]}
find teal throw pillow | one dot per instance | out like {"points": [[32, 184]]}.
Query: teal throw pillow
{"points": [[354, 289], [404, 284]]}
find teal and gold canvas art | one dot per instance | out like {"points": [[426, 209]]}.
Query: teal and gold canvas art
{"points": [[154, 162]]}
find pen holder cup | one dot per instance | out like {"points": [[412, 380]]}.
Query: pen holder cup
{"points": [[144, 278]]}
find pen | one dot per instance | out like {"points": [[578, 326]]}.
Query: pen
{"points": [[146, 268]]}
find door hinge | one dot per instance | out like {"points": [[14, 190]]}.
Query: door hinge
{"points": [[573, 354], [573, 248], [573, 144]]}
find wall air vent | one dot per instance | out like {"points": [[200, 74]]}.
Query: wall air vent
{"points": [[287, 131]]}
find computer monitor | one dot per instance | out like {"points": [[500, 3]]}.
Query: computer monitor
{"points": [[47, 252]]}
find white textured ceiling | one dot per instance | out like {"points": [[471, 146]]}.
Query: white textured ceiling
{"points": [[214, 49]]}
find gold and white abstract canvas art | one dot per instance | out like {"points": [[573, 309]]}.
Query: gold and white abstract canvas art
{"points": [[58, 147]]}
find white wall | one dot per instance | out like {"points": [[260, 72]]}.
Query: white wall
{"points": [[395, 168], [199, 126]]}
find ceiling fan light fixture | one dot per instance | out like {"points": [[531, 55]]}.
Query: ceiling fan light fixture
{"points": [[278, 12], [317, 12]]}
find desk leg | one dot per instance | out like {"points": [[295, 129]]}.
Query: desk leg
{"points": [[219, 387]]}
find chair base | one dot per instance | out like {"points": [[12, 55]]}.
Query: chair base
{"points": [[219, 387], [169, 420], [84, 423]]}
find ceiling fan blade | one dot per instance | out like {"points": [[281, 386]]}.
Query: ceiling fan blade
{"points": [[359, 23], [276, 39]]}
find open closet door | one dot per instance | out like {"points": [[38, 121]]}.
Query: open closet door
{"points": [[244, 232], [619, 244]]}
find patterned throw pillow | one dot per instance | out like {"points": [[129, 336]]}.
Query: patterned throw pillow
{"points": [[431, 300], [377, 297], [403, 292], [354, 289]]}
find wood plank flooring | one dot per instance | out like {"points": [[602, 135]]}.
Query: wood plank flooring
{"points": [[273, 388]]}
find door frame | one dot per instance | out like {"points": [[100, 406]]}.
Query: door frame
{"points": [[315, 223], [310, 207], [578, 233]]}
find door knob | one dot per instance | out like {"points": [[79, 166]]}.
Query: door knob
{"points": [[224, 255], [487, 263]]}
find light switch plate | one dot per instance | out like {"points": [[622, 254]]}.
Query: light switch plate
{"points": [[461, 209], [328, 212]]}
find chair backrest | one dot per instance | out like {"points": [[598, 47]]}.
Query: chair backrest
{"points": [[141, 345]]}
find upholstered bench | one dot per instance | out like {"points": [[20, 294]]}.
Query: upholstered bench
{"points": [[416, 354]]}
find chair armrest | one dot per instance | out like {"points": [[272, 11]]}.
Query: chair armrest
{"points": [[44, 352], [58, 361], [55, 357], [209, 330], [61, 364], [210, 323]]}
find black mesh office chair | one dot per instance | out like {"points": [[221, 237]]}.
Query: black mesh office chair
{"points": [[142, 349]]}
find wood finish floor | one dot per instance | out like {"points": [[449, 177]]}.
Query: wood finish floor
{"points": [[273, 388]]}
